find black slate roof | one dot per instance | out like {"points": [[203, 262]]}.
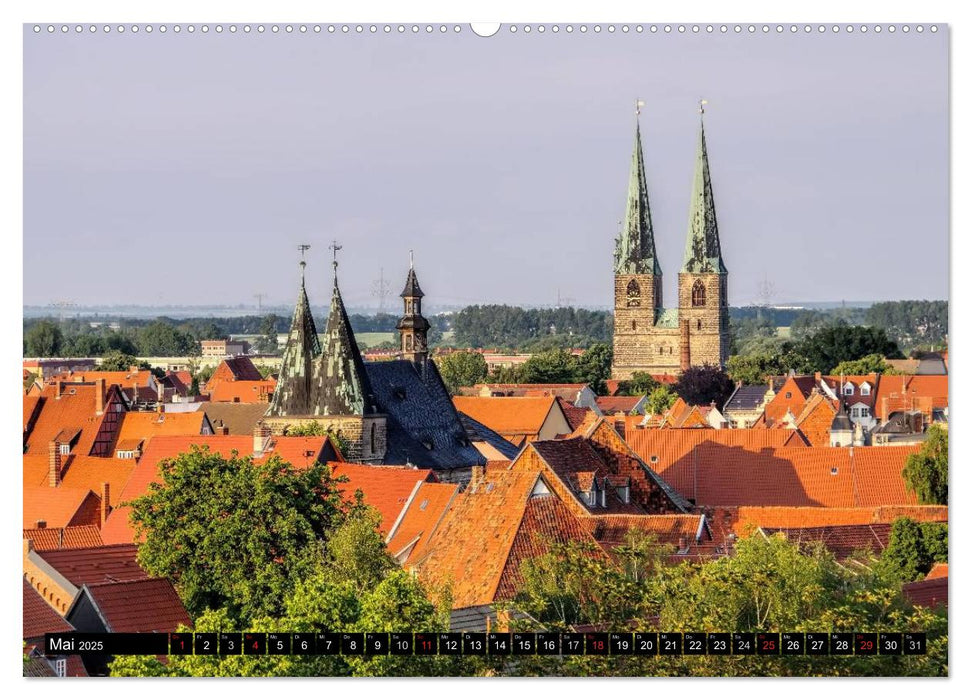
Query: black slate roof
{"points": [[423, 426], [481, 433], [746, 398]]}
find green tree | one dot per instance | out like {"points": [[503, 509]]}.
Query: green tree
{"points": [[865, 365], [161, 338], [232, 532], [552, 367], [639, 384], [266, 343], [754, 369], [660, 400], [926, 471], [914, 548], [114, 361], [838, 342], [459, 369], [699, 386], [44, 339], [593, 367]]}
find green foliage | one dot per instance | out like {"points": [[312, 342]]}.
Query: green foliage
{"points": [[639, 384], [459, 369], [266, 342], [232, 533], [754, 369], [911, 323], [43, 339], [552, 367], [926, 471], [593, 367], [264, 370], [205, 374], [316, 428], [865, 365], [914, 548], [699, 386], [833, 344], [660, 400], [514, 327], [162, 339], [114, 361]]}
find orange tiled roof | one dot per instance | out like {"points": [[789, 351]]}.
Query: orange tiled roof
{"points": [[386, 489], [816, 418], [298, 451], [242, 391], [143, 379], [74, 409], [796, 476], [618, 404], [470, 549], [79, 472], [147, 605], [421, 515], [574, 414], [546, 520], [611, 530], [937, 571], [507, 415], [741, 520], [910, 392], [39, 617], [138, 426], [844, 541], [116, 562], [60, 507], [48, 538]]}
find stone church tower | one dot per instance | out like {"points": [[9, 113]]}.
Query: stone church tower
{"points": [[413, 327], [648, 337]]}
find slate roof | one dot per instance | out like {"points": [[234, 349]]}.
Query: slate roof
{"points": [[386, 489], [482, 618], [40, 618], [293, 393], [412, 288], [842, 540], [635, 252], [702, 252], [147, 605], [239, 418], [478, 432], [746, 397], [423, 427], [102, 564], [48, 538]]}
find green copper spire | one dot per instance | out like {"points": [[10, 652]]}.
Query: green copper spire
{"points": [[292, 394], [702, 252], [635, 254], [340, 383]]}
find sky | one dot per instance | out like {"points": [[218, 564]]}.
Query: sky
{"points": [[186, 168]]}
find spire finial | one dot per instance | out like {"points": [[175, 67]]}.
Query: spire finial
{"points": [[303, 248], [334, 246], [637, 107], [701, 106], [411, 259]]}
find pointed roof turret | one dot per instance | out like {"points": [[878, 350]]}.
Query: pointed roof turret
{"points": [[292, 396], [702, 253], [635, 253], [340, 383], [412, 289]]}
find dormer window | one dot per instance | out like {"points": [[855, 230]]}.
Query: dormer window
{"points": [[623, 493], [847, 389], [788, 394], [65, 449], [864, 389]]}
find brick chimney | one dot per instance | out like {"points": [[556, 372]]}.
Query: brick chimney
{"points": [[99, 396], [161, 394], [54, 463], [59, 387], [478, 475], [261, 435], [222, 430], [105, 502], [818, 376]]}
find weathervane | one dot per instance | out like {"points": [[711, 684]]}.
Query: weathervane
{"points": [[637, 107], [335, 247], [701, 105], [303, 248], [411, 259]]}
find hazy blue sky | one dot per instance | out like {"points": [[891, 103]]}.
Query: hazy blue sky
{"points": [[184, 169]]}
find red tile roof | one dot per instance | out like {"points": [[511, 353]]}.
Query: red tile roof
{"points": [[929, 593], [48, 538], [611, 530], [741, 520], [143, 379], [617, 404], [386, 489], [920, 392], [102, 564], [844, 541], [298, 451], [574, 414], [147, 605], [60, 507], [79, 472], [937, 571], [242, 391], [795, 476], [75, 410], [816, 418], [514, 417], [235, 369], [139, 426], [39, 617], [422, 515]]}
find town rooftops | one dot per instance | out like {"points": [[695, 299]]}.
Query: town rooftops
{"points": [[60, 507], [386, 489], [97, 564], [907, 393], [39, 618], [139, 426], [929, 593], [418, 520], [49, 538], [844, 541], [237, 418], [746, 397], [146, 605], [742, 520], [516, 418]]}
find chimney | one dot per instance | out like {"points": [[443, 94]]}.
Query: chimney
{"points": [[478, 475], [105, 502], [54, 463], [818, 376], [99, 396], [59, 388], [261, 434], [133, 369], [222, 430], [41, 524], [685, 344], [161, 394]]}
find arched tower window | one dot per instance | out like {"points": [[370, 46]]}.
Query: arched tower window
{"points": [[408, 344], [633, 293], [698, 294]]}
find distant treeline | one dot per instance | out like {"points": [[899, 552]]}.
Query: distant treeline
{"points": [[911, 324]]}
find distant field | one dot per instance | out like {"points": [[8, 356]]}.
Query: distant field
{"points": [[372, 339], [783, 331]]}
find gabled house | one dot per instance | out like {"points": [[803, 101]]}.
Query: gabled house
{"points": [[82, 418], [746, 404], [927, 394], [518, 419]]}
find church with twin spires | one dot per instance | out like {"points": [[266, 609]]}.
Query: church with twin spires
{"points": [[647, 336]]}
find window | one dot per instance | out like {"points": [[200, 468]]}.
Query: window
{"points": [[374, 431], [855, 413], [408, 342], [865, 390], [864, 412], [847, 389], [60, 667], [633, 294], [633, 325], [698, 294], [788, 394], [66, 449], [834, 471], [699, 324]]}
